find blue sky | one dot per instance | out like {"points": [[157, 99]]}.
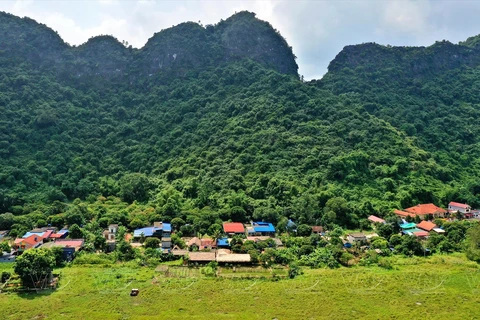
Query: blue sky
{"points": [[317, 30]]}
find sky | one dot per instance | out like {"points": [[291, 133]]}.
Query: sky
{"points": [[317, 30]]}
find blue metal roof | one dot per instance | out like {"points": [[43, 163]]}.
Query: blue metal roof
{"points": [[263, 227], [147, 232], [167, 227], [28, 234], [223, 242]]}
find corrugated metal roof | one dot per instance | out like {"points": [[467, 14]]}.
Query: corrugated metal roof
{"points": [[201, 256], [263, 227], [234, 257]]}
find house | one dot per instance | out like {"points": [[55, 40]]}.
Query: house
{"points": [[426, 225], [460, 207], [166, 244], [177, 251], [44, 233], [62, 234], [439, 230], [158, 230], [421, 234], [356, 237], [425, 210], [318, 230], [69, 246], [109, 234], [201, 244], [261, 229], [233, 228], [375, 219], [201, 257], [407, 226], [30, 242]]}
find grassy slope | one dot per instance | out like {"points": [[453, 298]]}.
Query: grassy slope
{"points": [[434, 288]]}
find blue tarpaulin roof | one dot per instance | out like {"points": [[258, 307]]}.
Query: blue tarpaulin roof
{"points": [[223, 242], [263, 227]]}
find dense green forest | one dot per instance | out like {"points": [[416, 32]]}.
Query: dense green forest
{"points": [[214, 121]]}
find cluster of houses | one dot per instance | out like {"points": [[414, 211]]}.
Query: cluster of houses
{"points": [[206, 249], [422, 212], [47, 237]]}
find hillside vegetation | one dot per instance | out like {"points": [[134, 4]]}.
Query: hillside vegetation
{"points": [[214, 121]]}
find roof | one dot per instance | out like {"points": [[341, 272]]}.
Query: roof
{"points": [[317, 229], [426, 225], [31, 240], [222, 242], [357, 235], [147, 232], [263, 227], [412, 231], [234, 257], [403, 213], [459, 205], [205, 242], [410, 225], [65, 243], [421, 234], [201, 256], [438, 230], [376, 219], [428, 208], [233, 227], [113, 225]]}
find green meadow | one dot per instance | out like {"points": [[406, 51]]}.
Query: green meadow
{"points": [[416, 288]]}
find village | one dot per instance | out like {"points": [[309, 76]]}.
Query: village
{"points": [[226, 247]]}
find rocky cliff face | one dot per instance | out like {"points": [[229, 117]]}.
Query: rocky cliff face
{"points": [[177, 51]]}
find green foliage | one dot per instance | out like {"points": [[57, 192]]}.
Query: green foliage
{"points": [[473, 244], [34, 265], [294, 270], [152, 243], [4, 247]]}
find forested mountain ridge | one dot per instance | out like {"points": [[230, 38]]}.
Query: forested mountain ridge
{"points": [[214, 122], [185, 49]]}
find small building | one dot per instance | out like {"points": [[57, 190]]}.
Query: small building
{"points": [[318, 230], [403, 215], [438, 230], [261, 229], [61, 234], [176, 251], [356, 237], [459, 207], [223, 243], [69, 246], [166, 243], [408, 226], [30, 242], [426, 225], [201, 257], [109, 234], [201, 244], [421, 234], [375, 219], [233, 228], [158, 230]]}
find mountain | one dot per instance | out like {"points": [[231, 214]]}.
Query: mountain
{"points": [[213, 122]]}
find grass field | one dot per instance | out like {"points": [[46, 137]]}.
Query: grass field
{"points": [[417, 288]]}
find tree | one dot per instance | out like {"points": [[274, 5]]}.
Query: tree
{"points": [[134, 186], [151, 243], [304, 230], [4, 247], [177, 223], [75, 232], [34, 266]]}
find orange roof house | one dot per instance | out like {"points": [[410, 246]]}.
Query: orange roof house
{"points": [[30, 242], [426, 225], [423, 210], [403, 214]]}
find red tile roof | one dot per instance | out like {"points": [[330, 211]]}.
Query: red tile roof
{"points": [[376, 219], [423, 209], [31, 240], [421, 234], [233, 227], [459, 205], [426, 225], [403, 213]]}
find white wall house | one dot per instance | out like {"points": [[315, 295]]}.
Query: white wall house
{"points": [[461, 207]]}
